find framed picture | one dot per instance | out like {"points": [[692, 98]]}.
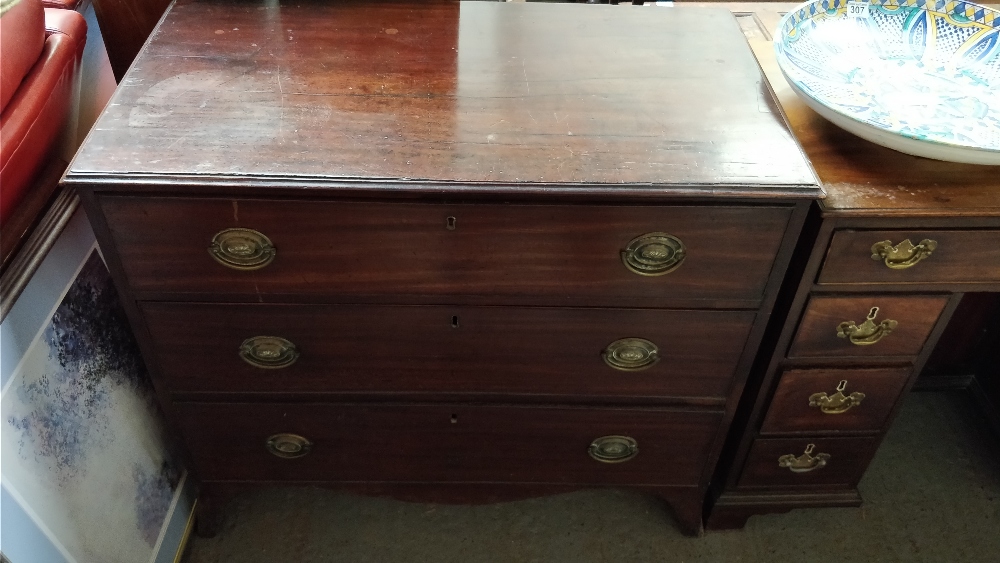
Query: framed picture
{"points": [[85, 460]]}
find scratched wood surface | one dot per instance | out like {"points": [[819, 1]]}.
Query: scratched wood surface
{"points": [[477, 92], [860, 177]]}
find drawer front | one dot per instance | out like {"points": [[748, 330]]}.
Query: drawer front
{"points": [[460, 349], [566, 254], [834, 399], [860, 257], [804, 462], [447, 443], [839, 326]]}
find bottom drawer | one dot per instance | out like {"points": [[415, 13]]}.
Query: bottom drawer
{"points": [[447, 443], [795, 462]]}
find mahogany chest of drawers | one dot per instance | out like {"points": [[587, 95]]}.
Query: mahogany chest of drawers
{"points": [[456, 252]]}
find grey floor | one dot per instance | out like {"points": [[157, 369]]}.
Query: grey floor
{"points": [[932, 494]]}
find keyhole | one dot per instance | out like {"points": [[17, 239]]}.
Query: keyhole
{"points": [[454, 322], [454, 419], [450, 223]]}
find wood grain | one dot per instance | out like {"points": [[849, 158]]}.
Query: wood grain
{"points": [[478, 92], [450, 443], [968, 256], [790, 410], [125, 26], [453, 350], [849, 457], [817, 333], [567, 254]]}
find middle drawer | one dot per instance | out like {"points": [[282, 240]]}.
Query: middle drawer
{"points": [[460, 349]]}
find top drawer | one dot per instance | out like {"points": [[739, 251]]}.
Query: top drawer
{"points": [[506, 253], [944, 256]]}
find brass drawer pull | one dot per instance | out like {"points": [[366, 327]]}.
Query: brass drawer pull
{"points": [[654, 254], [631, 354], [288, 446], [868, 333], [805, 462], [613, 449], [242, 249], [838, 403], [903, 255], [268, 352]]}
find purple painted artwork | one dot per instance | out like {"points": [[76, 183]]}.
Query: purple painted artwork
{"points": [[84, 427]]}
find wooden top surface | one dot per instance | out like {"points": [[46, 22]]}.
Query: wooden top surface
{"points": [[860, 177], [557, 97]]}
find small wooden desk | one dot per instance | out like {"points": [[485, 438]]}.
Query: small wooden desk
{"points": [[873, 194]]}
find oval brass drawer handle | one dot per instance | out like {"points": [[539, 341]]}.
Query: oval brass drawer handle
{"points": [[904, 254], [268, 352], [868, 333], [613, 449], [654, 254], [288, 446], [242, 249], [805, 462], [838, 403], [631, 354]]}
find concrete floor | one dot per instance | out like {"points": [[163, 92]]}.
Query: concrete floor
{"points": [[932, 494]]}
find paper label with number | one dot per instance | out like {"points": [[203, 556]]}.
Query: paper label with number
{"points": [[857, 9]]}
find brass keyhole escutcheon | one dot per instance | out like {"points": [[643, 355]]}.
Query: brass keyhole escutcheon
{"points": [[613, 449], [631, 354], [838, 403], [868, 333], [903, 255], [654, 254], [288, 446], [805, 462], [242, 249], [268, 352]]}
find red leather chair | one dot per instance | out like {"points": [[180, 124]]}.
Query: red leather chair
{"points": [[39, 68]]}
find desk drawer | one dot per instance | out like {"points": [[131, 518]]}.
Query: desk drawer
{"points": [[833, 400], [459, 349], [561, 254], [943, 256], [804, 462], [446, 443], [899, 325]]}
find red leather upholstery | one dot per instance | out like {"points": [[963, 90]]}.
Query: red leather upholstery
{"points": [[22, 35], [32, 120]]}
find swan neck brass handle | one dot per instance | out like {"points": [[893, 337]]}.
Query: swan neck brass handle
{"points": [[242, 249], [631, 354], [613, 449], [288, 446], [268, 352], [903, 255], [805, 462], [654, 254], [868, 333], [838, 403]]}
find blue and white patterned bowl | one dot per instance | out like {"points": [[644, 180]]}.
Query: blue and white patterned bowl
{"points": [[918, 76]]}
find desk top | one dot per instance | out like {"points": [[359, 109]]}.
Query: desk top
{"points": [[566, 99], [862, 178]]}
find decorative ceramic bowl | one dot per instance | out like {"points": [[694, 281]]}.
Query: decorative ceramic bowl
{"points": [[918, 76]]}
